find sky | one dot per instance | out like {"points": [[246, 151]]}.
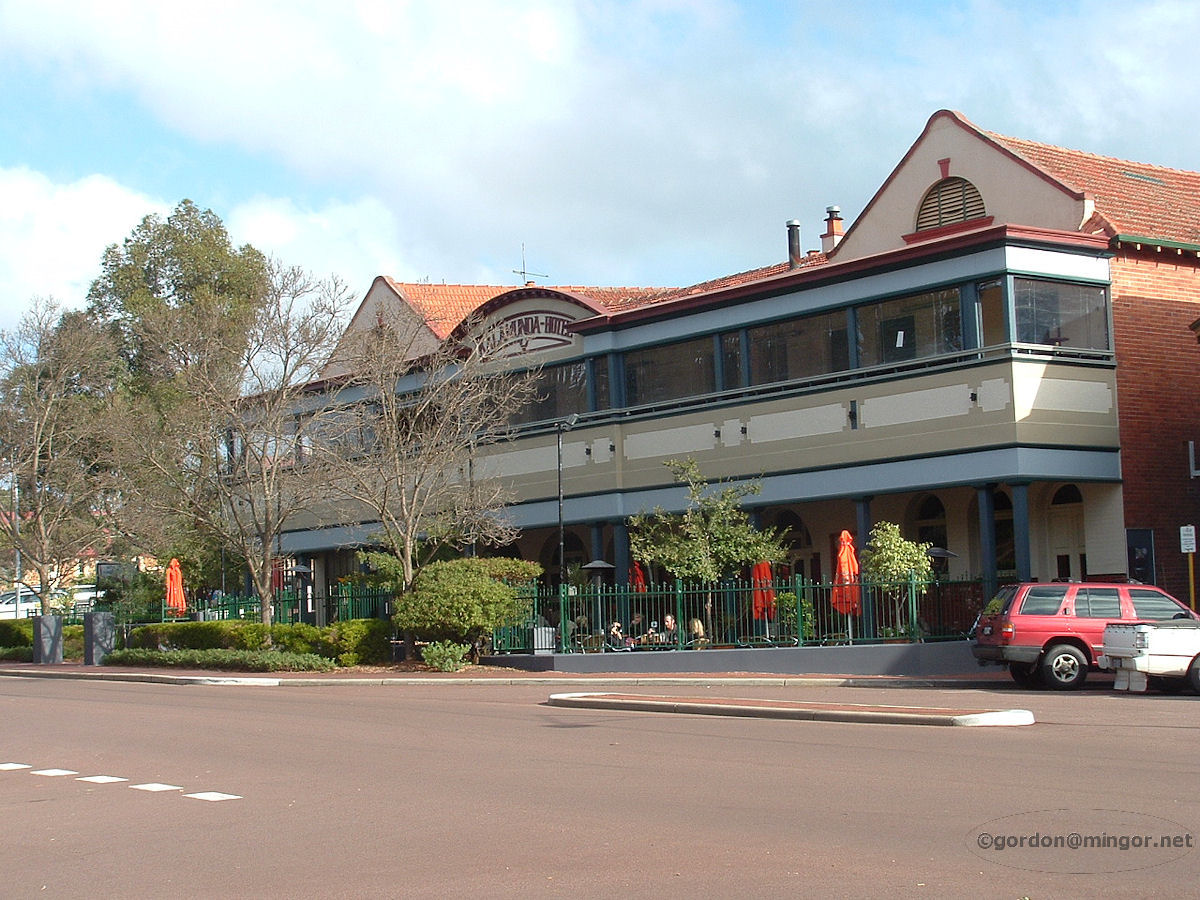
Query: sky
{"points": [[591, 142]]}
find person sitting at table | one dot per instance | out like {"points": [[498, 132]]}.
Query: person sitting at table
{"points": [[696, 636], [616, 638], [670, 631], [637, 629]]}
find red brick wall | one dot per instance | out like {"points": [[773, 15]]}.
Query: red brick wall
{"points": [[1155, 297]]}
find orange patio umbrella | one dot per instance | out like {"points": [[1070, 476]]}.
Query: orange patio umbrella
{"points": [[847, 596], [764, 594], [637, 578], [175, 599]]}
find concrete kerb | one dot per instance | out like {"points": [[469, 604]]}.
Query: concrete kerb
{"points": [[796, 709]]}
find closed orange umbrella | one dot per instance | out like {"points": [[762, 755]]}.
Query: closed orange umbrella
{"points": [[764, 594], [847, 596], [175, 599], [638, 578]]}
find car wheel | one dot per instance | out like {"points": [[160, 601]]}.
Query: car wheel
{"points": [[1193, 675], [1064, 667], [1026, 675]]}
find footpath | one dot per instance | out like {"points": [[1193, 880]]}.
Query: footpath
{"points": [[615, 697]]}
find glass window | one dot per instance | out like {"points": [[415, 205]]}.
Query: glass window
{"points": [[1061, 315], [799, 348], [679, 370], [1098, 603], [992, 314], [561, 390], [1152, 605], [731, 361], [600, 381], [1043, 599], [909, 328]]}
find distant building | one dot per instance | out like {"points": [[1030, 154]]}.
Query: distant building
{"points": [[996, 355]]}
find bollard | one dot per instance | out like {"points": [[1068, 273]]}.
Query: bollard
{"points": [[99, 637], [47, 639]]}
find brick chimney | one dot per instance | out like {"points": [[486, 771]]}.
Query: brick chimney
{"points": [[795, 254], [833, 229]]}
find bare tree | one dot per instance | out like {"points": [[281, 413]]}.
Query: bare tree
{"points": [[57, 376], [415, 420], [220, 444]]}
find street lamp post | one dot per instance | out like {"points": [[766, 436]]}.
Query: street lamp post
{"points": [[562, 425]]}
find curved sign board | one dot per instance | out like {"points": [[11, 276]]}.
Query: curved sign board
{"points": [[526, 331]]}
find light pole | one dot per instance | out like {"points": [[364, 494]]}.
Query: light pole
{"points": [[562, 425]]}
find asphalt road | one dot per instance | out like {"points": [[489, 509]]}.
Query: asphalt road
{"points": [[485, 791]]}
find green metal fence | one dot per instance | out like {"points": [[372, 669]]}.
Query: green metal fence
{"points": [[784, 613]]}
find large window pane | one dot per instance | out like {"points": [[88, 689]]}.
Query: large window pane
{"points": [[909, 328], [600, 380], [1062, 315], [731, 361], [799, 348], [561, 390], [993, 327], [669, 373]]}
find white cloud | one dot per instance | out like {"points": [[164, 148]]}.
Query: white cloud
{"points": [[54, 235], [648, 141], [354, 241]]}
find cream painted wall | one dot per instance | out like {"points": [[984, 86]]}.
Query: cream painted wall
{"points": [[1012, 194]]}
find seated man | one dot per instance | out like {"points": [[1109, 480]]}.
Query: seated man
{"points": [[670, 631]]}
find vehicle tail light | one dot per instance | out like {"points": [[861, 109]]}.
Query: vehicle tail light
{"points": [[1140, 640], [1006, 630]]}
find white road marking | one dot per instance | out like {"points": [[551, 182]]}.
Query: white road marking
{"points": [[152, 787]]}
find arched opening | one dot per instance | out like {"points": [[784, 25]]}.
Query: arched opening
{"points": [[1065, 534]]}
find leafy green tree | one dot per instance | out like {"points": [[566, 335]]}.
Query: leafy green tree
{"points": [[890, 560], [463, 600], [889, 557], [712, 538], [185, 265]]}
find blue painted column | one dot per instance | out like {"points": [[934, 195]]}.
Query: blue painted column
{"points": [[1020, 500], [987, 538], [862, 515]]}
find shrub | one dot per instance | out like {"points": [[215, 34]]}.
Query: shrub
{"points": [[459, 600], [231, 634], [16, 633], [229, 660], [17, 654], [785, 604], [359, 641], [446, 656], [298, 638]]}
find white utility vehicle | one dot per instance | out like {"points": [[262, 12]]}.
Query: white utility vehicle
{"points": [[1162, 655]]}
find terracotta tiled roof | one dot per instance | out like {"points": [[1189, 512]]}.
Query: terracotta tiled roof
{"points": [[1131, 198]]}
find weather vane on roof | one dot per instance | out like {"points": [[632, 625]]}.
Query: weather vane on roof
{"points": [[524, 272]]}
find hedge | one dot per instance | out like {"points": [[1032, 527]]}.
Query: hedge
{"points": [[351, 643], [230, 660]]}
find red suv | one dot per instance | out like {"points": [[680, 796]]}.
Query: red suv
{"points": [[1051, 633]]}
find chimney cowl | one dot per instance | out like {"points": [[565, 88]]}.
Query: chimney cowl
{"points": [[795, 254], [833, 229]]}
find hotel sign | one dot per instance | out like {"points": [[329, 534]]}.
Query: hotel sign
{"points": [[527, 332]]}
